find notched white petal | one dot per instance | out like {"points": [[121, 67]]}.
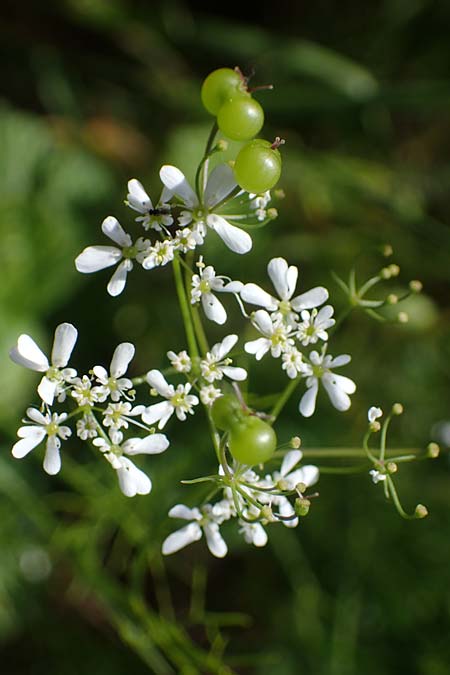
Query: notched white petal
{"points": [[95, 258], [26, 353]]}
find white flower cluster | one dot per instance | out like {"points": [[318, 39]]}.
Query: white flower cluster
{"points": [[253, 501], [180, 223], [104, 427]]}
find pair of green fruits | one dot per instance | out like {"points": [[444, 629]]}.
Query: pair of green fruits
{"points": [[258, 164], [251, 440]]}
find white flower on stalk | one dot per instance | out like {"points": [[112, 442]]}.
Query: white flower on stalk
{"points": [[181, 362], [277, 336], [284, 279], [83, 391], [374, 413], [254, 533], [178, 401], [293, 362], [27, 353], [205, 284], [215, 364], [314, 325], [87, 427], [337, 387], [132, 481], [187, 239], [95, 258], [201, 521], [156, 217], [157, 255], [117, 415], [45, 425], [113, 384], [377, 476], [258, 203], [209, 394], [220, 185]]}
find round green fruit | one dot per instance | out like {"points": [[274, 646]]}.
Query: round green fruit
{"points": [[220, 86], [240, 118], [258, 166], [226, 412], [252, 441]]}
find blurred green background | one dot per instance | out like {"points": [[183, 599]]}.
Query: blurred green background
{"points": [[95, 92]]}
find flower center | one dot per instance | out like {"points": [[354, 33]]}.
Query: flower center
{"points": [[52, 429], [284, 307]]}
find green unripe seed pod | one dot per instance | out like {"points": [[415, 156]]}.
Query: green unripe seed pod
{"points": [[219, 87], [226, 412], [252, 441], [240, 118], [258, 166]]}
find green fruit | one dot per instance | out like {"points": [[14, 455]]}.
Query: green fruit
{"points": [[240, 118], [226, 412], [220, 86], [258, 166], [252, 441]]}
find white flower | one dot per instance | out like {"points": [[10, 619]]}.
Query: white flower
{"points": [[258, 203], [220, 184], [27, 353], [337, 387], [214, 366], [159, 254], [188, 239], [87, 427], [132, 481], [205, 284], [377, 476], [95, 258], [112, 383], [31, 435], [374, 413], [314, 325], [83, 391], [151, 216], [178, 401], [181, 362], [116, 415], [209, 394], [277, 336], [254, 533], [202, 521], [284, 279], [292, 362]]}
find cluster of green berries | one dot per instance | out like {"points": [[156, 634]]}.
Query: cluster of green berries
{"points": [[225, 94]]}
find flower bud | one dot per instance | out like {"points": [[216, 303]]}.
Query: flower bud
{"points": [[266, 513], [433, 450], [279, 193], [301, 506], [300, 488], [272, 213], [375, 426], [296, 442], [385, 273], [392, 299], [415, 286], [394, 270], [391, 467], [397, 409], [283, 485], [420, 511], [387, 250], [403, 317], [222, 145]]}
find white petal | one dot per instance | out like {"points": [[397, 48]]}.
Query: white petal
{"points": [[121, 359], [308, 401], [236, 239], [119, 278], [95, 258], [232, 287], [137, 197], [181, 538], [150, 445], [237, 374], [277, 270], [157, 380], [374, 413], [132, 481], [46, 390], [215, 541], [176, 181], [36, 415], [30, 440], [213, 308], [339, 361], [114, 230], [184, 512], [221, 182], [344, 383], [310, 475], [263, 322], [338, 397], [313, 298], [221, 349], [100, 373], [290, 460], [52, 460], [257, 347], [257, 296], [286, 509], [259, 535], [63, 344], [159, 412], [27, 353]]}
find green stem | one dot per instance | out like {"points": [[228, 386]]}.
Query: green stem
{"points": [[396, 500], [199, 183], [185, 309], [353, 453], [289, 390]]}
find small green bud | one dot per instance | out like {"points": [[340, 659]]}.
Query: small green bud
{"points": [[420, 511], [397, 409], [375, 426], [394, 270], [272, 213], [433, 450], [266, 513], [403, 317], [279, 193], [283, 485], [391, 467], [153, 392], [415, 286], [385, 273], [387, 250], [300, 488], [392, 299], [296, 442], [301, 506], [222, 145]]}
